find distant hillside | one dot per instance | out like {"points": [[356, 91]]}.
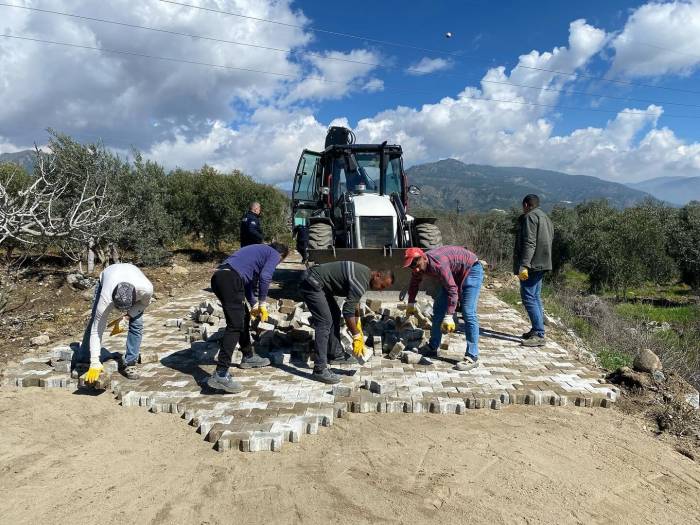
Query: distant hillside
{"points": [[676, 190], [451, 184], [24, 158]]}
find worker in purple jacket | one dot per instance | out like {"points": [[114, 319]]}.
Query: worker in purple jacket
{"points": [[235, 280]]}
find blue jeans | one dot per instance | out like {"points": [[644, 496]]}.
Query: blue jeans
{"points": [[133, 337], [531, 295], [470, 297]]}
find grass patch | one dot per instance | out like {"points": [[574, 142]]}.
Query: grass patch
{"points": [[572, 279], [678, 293], [677, 315], [612, 360], [509, 295]]}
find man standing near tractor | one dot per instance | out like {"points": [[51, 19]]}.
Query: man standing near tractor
{"points": [[460, 275], [251, 229], [532, 257]]}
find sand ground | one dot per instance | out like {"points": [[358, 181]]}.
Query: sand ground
{"points": [[69, 458]]}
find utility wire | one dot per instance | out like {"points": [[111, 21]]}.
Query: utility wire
{"points": [[325, 57], [321, 79], [437, 51]]}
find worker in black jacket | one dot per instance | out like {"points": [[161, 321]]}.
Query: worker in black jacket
{"points": [[251, 229]]}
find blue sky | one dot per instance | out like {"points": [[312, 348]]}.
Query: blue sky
{"points": [[485, 34], [488, 95]]}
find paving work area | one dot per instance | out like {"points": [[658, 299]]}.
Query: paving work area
{"points": [[281, 403]]}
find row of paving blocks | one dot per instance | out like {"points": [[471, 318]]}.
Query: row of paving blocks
{"points": [[267, 429], [281, 403]]}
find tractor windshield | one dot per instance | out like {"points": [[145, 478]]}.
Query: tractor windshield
{"points": [[368, 173]]}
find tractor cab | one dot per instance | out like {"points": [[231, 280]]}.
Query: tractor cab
{"points": [[354, 197]]}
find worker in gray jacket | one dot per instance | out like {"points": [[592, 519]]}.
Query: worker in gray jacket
{"points": [[319, 286], [122, 287], [532, 257]]}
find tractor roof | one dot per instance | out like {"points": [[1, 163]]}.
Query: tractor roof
{"points": [[389, 148]]}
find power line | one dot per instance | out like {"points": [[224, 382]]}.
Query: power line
{"points": [[325, 57], [321, 79], [436, 51]]}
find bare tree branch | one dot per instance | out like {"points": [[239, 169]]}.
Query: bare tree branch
{"points": [[48, 211]]}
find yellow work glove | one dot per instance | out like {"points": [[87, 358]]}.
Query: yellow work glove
{"points": [[448, 325], [411, 309], [524, 274], [118, 326], [359, 324], [260, 311], [93, 373], [358, 344]]}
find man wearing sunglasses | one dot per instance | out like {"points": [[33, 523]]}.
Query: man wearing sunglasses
{"points": [[460, 275]]}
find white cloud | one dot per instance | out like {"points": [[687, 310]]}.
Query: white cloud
{"points": [[267, 146], [426, 65], [658, 39], [184, 115], [335, 74], [537, 69], [131, 100]]}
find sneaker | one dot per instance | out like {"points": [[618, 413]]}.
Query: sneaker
{"points": [[469, 363], [326, 376], [427, 350], [535, 340], [131, 372], [527, 335], [254, 361], [344, 359], [79, 369], [225, 383]]}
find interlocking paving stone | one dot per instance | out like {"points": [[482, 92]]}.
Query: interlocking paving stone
{"points": [[281, 403]]}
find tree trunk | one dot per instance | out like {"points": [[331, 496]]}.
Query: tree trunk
{"points": [[113, 254], [91, 256]]}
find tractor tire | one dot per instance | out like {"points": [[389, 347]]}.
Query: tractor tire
{"points": [[428, 236], [320, 236]]}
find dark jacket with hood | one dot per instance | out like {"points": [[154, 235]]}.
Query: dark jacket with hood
{"points": [[533, 242]]}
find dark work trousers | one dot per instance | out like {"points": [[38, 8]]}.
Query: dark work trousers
{"points": [[229, 288], [326, 320]]}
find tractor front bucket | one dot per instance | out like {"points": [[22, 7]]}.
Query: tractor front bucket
{"points": [[374, 258]]}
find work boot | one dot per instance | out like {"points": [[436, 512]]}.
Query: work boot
{"points": [[79, 369], [130, 371], [344, 359], [468, 363], [253, 360], [427, 350], [534, 341], [224, 382], [326, 376]]}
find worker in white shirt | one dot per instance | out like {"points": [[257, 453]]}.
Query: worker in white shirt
{"points": [[125, 288]]}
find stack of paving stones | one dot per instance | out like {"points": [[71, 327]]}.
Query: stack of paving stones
{"points": [[281, 403]]}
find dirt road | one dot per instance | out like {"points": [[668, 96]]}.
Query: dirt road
{"points": [[67, 458]]}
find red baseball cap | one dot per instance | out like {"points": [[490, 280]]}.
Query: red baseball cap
{"points": [[411, 254]]}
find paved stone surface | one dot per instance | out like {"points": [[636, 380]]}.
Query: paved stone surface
{"points": [[281, 403]]}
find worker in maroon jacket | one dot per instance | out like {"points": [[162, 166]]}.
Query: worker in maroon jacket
{"points": [[460, 275]]}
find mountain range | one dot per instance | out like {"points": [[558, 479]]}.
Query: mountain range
{"points": [[676, 190], [451, 184], [24, 158]]}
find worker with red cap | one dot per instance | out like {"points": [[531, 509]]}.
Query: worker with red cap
{"points": [[460, 275]]}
